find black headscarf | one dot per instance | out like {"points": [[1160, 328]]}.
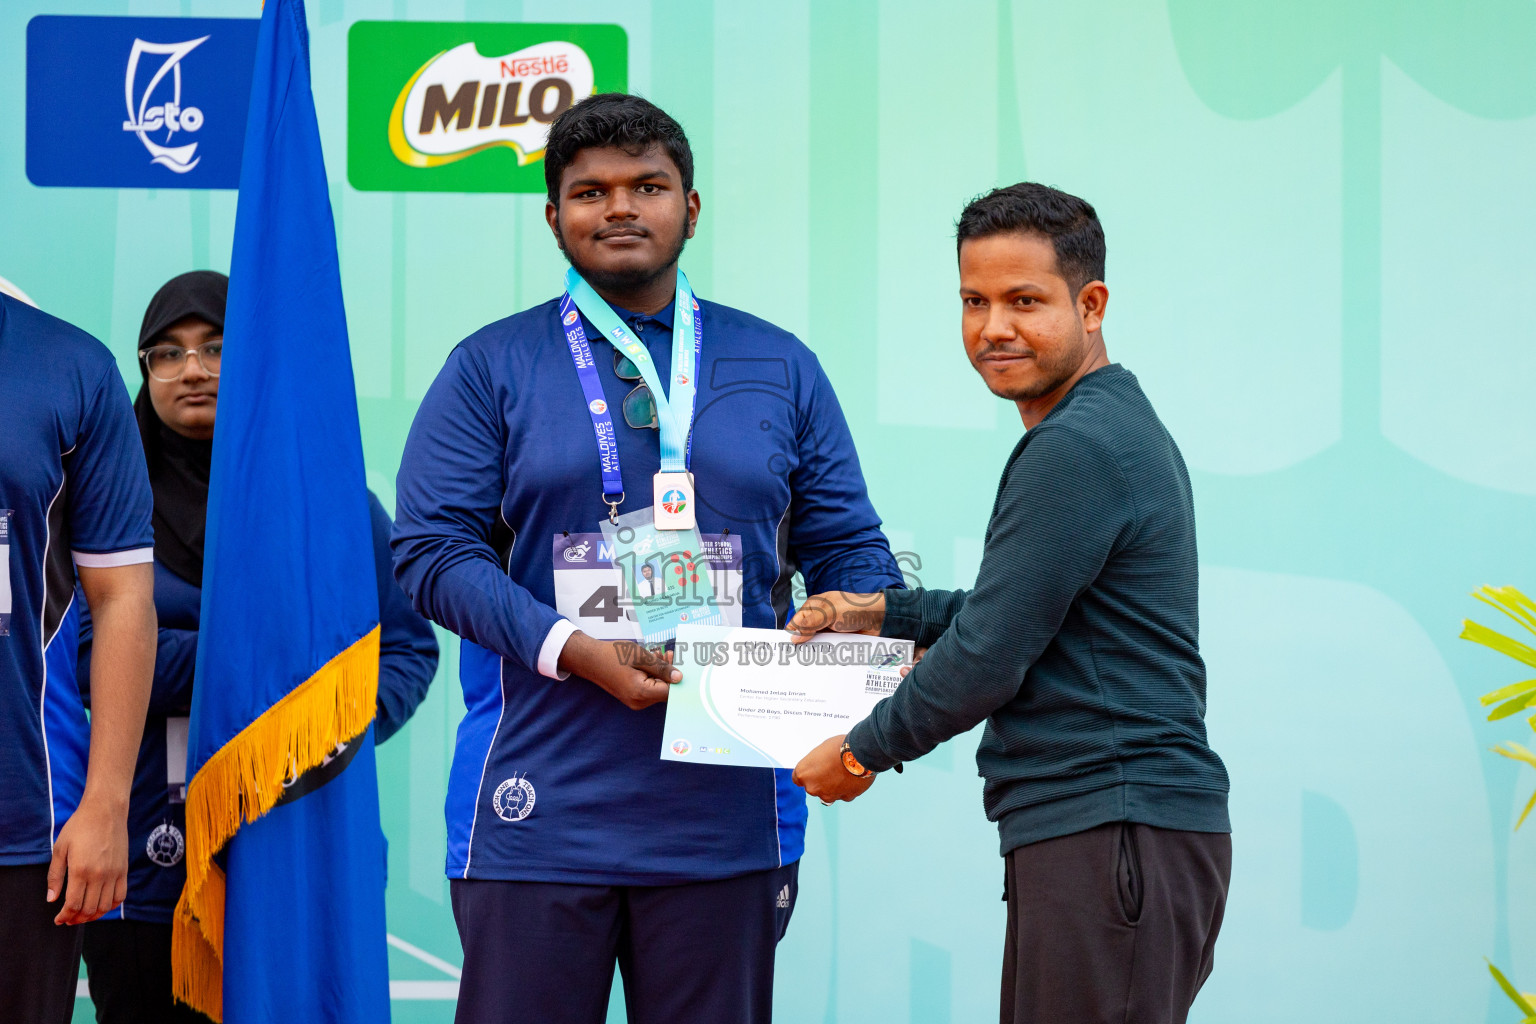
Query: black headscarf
{"points": [[178, 466]]}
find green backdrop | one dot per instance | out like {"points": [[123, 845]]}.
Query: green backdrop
{"points": [[1319, 218]]}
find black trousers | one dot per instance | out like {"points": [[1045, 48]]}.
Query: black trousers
{"points": [[1115, 924], [129, 967], [544, 952], [39, 960]]}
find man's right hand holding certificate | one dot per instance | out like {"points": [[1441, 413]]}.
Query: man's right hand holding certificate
{"points": [[832, 772], [838, 611]]}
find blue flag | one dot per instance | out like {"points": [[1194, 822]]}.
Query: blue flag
{"points": [[282, 917]]}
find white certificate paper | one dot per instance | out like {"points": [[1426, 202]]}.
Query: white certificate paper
{"points": [[751, 697]]}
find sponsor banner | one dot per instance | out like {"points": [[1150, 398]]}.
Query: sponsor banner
{"points": [[466, 107], [138, 102]]}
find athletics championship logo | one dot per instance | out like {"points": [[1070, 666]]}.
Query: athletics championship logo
{"points": [[674, 501], [466, 107], [513, 799]]}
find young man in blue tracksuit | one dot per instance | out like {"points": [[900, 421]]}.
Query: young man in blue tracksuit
{"points": [[181, 340], [571, 845]]}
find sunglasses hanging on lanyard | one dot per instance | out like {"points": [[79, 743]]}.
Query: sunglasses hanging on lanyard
{"points": [[673, 504]]}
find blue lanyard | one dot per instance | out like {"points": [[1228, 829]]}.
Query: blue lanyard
{"points": [[674, 411]]}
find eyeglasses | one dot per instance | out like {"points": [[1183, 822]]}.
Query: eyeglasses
{"points": [[166, 363], [639, 407]]}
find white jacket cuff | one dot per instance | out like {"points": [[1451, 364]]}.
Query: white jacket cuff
{"points": [[554, 643]]}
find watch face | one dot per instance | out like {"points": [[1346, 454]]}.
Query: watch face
{"points": [[852, 763]]}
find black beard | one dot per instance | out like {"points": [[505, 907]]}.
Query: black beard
{"points": [[624, 281], [1045, 387], [1060, 372]]}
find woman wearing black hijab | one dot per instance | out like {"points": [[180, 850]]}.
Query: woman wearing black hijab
{"points": [[128, 953]]}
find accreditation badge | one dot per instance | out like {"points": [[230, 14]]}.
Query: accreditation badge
{"points": [[5, 572], [663, 573], [176, 732]]}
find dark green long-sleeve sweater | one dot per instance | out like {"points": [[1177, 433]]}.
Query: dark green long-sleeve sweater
{"points": [[1079, 645]]}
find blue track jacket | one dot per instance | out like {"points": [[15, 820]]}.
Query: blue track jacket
{"points": [[501, 460]]}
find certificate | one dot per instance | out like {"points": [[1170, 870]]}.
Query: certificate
{"points": [[752, 697]]}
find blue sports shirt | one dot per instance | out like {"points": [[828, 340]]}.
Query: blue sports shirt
{"points": [[501, 460], [73, 489]]}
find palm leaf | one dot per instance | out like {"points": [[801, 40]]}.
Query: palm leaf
{"points": [[1528, 805], [1511, 699], [1515, 752], [1514, 994], [1511, 707], [1511, 602], [1480, 634], [1506, 692]]}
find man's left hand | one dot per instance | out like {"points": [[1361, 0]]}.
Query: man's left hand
{"points": [[822, 774], [90, 861]]}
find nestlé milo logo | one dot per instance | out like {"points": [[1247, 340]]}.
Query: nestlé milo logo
{"points": [[466, 107], [461, 103]]}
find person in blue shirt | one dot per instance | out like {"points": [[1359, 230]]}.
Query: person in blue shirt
{"points": [[74, 498], [572, 846], [128, 954]]}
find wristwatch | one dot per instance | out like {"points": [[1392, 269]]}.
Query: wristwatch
{"points": [[852, 764]]}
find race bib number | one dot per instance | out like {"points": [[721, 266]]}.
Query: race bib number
{"points": [[595, 595]]}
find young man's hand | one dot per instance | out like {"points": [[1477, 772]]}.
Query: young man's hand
{"points": [[636, 675], [838, 611], [92, 854], [90, 857], [822, 774]]}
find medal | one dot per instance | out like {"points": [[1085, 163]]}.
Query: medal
{"points": [[673, 504]]}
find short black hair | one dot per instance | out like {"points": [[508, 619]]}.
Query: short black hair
{"points": [[631, 123], [1030, 208]]}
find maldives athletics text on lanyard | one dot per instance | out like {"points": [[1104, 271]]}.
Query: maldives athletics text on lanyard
{"points": [[673, 507]]}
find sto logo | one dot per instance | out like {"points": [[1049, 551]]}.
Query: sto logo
{"points": [[169, 115]]}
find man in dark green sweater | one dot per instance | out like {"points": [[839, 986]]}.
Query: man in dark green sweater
{"points": [[1078, 646]]}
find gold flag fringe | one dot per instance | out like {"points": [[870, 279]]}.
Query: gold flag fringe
{"points": [[242, 781]]}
